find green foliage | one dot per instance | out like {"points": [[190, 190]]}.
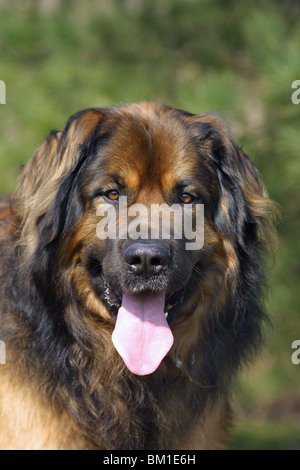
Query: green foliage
{"points": [[253, 435], [236, 58]]}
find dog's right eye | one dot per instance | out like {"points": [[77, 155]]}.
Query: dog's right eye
{"points": [[112, 194]]}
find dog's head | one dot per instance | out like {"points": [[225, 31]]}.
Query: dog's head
{"points": [[87, 201]]}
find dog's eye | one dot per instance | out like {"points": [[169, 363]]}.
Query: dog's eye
{"points": [[186, 198], [112, 194]]}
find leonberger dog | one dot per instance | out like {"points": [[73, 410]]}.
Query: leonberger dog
{"points": [[129, 343]]}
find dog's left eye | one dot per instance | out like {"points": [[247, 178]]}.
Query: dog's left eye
{"points": [[186, 198], [112, 194]]}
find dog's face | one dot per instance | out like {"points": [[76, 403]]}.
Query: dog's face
{"points": [[143, 155], [149, 159]]}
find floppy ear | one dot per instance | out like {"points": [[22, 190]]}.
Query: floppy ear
{"points": [[243, 217], [41, 177], [245, 211], [261, 209]]}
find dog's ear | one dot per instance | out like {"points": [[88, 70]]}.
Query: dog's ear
{"points": [[243, 216], [41, 177], [261, 209], [245, 211]]}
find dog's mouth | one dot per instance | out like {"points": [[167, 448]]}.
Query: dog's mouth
{"points": [[142, 334], [143, 316], [113, 300]]}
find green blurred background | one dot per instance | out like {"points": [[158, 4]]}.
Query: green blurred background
{"points": [[238, 58]]}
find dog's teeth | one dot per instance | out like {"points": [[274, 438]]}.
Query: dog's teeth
{"points": [[166, 314]]}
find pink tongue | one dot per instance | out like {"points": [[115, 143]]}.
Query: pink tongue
{"points": [[142, 335]]}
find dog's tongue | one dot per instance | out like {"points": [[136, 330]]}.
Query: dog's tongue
{"points": [[142, 335]]}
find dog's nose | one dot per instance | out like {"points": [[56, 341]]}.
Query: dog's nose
{"points": [[146, 259]]}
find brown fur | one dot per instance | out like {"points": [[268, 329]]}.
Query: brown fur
{"points": [[83, 396]]}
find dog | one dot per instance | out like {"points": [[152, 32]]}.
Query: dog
{"points": [[130, 342]]}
